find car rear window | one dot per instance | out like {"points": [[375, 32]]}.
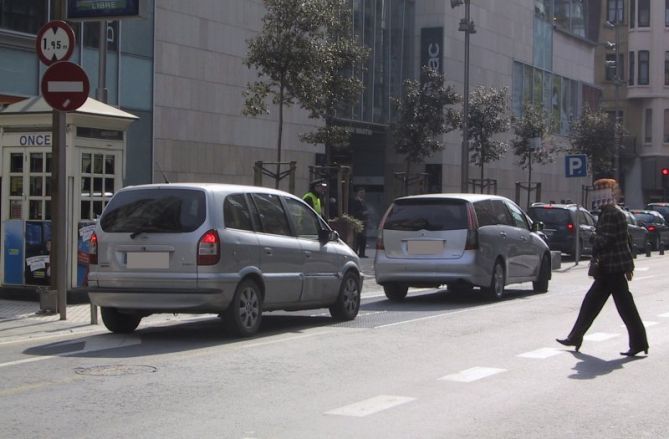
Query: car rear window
{"points": [[647, 218], [155, 210], [427, 214], [549, 215]]}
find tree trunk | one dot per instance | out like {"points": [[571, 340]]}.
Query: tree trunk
{"points": [[277, 177], [406, 177]]}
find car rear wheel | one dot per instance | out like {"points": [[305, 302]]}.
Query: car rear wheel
{"points": [[118, 321], [541, 284], [348, 302], [496, 288], [395, 292], [244, 314]]}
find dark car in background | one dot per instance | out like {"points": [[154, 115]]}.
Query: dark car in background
{"points": [[560, 222], [662, 208], [637, 232], [658, 230]]}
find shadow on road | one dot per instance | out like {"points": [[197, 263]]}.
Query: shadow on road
{"points": [[590, 367]]}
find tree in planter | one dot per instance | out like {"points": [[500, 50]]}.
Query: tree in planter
{"points": [[423, 117], [300, 56], [594, 134], [534, 123], [488, 115]]}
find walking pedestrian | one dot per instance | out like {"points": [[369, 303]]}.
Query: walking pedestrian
{"points": [[360, 212], [612, 251]]}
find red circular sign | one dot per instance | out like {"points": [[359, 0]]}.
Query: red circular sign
{"points": [[55, 42], [65, 86]]}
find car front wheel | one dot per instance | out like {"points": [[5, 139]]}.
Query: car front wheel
{"points": [[541, 284], [348, 302], [118, 321], [496, 288]]}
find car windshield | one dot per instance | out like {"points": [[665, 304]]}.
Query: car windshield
{"points": [[154, 210], [427, 214], [549, 215]]}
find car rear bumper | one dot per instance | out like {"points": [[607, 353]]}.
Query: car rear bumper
{"points": [[429, 271], [161, 300]]}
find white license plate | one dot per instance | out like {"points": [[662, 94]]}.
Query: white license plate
{"points": [[149, 260], [425, 247]]}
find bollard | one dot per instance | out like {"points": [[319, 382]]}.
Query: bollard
{"points": [[661, 245], [648, 247]]}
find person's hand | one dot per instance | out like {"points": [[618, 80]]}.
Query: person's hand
{"points": [[629, 275]]}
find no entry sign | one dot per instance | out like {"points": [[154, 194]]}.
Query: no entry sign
{"points": [[55, 42], [65, 86]]}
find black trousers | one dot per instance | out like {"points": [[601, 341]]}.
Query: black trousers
{"points": [[614, 284], [361, 242]]}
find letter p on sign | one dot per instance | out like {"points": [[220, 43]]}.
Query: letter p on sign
{"points": [[576, 165]]}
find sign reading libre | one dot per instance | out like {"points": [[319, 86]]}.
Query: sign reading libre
{"points": [[83, 9]]}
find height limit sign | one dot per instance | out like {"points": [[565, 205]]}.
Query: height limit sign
{"points": [[55, 42]]}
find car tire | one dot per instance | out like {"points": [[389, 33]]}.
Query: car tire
{"points": [[118, 321], [244, 314], [496, 288], [395, 292], [541, 284], [348, 302]]}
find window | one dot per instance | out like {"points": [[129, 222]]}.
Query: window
{"points": [[272, 216], [666, 13], [644, 61], [612, 66], [23, 15], [97, 183], [631, 79], [632, 13], [236, 212], [614, 11], [306, 223], [666, 126], [644, 13], [519, 219], [666, 68], [648, 126]]}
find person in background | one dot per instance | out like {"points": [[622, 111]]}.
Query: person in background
{"points": [[314, 197], [612, 250], [359, 211]]}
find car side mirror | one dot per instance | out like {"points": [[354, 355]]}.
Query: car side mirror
{"points": [[537, 226], [325, 235]]}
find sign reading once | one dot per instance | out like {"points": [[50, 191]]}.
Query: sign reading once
{"points": [[55, 42], [65, 86], [94, 9]]}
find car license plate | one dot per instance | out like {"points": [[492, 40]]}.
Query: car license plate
{"points": [[425, 247], [155, 260]]}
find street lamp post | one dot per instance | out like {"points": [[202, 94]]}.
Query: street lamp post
{"points": [[617, 81], [466, 26]]}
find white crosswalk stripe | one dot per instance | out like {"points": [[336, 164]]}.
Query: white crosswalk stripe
{"points": [[472, 374], [370, 406]]}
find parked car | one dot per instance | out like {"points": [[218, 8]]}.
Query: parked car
{"points": [[658, 230], [637, 232], [458, 240], [560, 222], [217, 248], [663, 208]]}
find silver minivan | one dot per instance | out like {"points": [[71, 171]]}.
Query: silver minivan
{"points": [[459, 240], [217, 248]]}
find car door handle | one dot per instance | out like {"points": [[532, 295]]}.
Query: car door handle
{"points": [[268, 250]]}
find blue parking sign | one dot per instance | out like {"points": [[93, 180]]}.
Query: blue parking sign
{"points": [[576, 165]]}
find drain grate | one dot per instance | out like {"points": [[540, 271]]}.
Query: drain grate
{"points": [[115, 370]]}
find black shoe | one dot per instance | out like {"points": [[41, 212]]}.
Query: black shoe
{"points": [[634, 352], [568, 342]]}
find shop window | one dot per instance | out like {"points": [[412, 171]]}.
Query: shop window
{"points": [[97, 183], [632, 13], [614, 11]]}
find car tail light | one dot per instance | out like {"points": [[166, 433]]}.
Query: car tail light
{"points": [[472, 242], [209, 248], [93, 249], [379, 236], [570, 227], [651, 228]]}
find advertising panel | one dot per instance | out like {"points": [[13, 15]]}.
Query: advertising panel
{"points": [[100, 9]]}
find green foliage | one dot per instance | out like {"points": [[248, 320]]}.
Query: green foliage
{"points": [[423, 117], [594, 134], [488, 116], [302, 56], [534, 123]]}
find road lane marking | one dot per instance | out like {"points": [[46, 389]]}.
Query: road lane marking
{"points": [[472, 374], [644, 277], [542, 353], [666, 314], [600, 336], [27, 360], [370, 406]]}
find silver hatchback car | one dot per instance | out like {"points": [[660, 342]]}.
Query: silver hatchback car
{"points": [[459, 240], [217, 248]]}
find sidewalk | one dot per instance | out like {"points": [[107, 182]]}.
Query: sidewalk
{"points": [[20, 318]]}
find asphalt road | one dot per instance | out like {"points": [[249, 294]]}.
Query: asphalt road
{"points": [[439, 365]]}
